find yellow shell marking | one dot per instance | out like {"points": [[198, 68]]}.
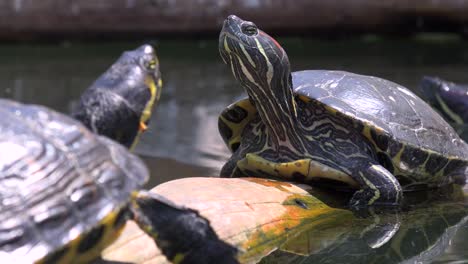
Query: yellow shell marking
{"points": [[307, 167], [109, 235], [331, 109], [237, 128], [366, 132], [304, 98]]}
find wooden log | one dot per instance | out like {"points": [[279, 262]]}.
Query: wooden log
{"points": [[255, 216], [134, 18], [261, 217]]}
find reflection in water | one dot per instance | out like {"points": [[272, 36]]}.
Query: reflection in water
{"points": [[197, 86], [419, 235], [185, 124], [183, 140]]}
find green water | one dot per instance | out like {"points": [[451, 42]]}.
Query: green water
{"points": [[183, 140]]}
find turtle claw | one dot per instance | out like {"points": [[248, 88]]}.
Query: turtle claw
{"points": [[359, 200], [379, 188], [366, 198]]}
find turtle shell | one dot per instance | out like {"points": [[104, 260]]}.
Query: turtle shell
{"points": [[405, 131], [59, 184], [383, 106]]}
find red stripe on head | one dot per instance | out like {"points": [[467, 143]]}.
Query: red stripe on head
{"points": [[274, 40]]}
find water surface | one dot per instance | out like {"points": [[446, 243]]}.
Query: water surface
{"points": [[183, 140]]}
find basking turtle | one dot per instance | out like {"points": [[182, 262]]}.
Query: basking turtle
{"points": [[65, 193], [366, 132], [119, 103], [449, 98]]}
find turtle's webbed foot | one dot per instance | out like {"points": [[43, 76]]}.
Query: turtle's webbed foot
{"points": [[379, 188], [361, 199]]}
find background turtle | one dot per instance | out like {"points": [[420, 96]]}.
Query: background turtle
{"points": [[65, 193], [449, 98], [364, 131], [119, 103]]}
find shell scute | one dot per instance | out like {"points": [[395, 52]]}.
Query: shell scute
{"points": [[58, 181]]}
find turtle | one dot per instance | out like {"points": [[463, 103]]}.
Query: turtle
{"points": [[119, 103], [349, 131], [449, 98], [66, 193]]}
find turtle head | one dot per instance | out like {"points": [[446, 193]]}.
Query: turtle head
{"points": [[262, 67], [147, 75], [119, 103], [140, 80], [449, 98], [257, 60], [429, 86]]}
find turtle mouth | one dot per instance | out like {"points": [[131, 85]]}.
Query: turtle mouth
{"points": [[229, 32], [223, 53], [223, 48]]}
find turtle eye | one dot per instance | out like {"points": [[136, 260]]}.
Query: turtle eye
{"points": [[249, 29]]}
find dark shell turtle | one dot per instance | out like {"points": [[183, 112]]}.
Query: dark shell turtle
{"points": [[449, 98], [66, 193], [119, 103], [363, 131]]}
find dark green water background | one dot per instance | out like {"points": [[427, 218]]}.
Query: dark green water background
{"points": [[183, 140]]}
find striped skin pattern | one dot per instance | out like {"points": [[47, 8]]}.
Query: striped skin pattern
{"points": [[63, 190], [360, 130], [274, 111], [449, 98]]}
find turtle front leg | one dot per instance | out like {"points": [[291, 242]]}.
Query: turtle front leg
{"points": [[182, 234], [230, 170], [378, 188]]}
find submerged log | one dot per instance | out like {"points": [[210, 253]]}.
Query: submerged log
{"points": [[126, 18]]}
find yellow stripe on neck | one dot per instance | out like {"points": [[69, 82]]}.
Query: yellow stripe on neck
{"points": [[149, 106], [155, 91]]}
